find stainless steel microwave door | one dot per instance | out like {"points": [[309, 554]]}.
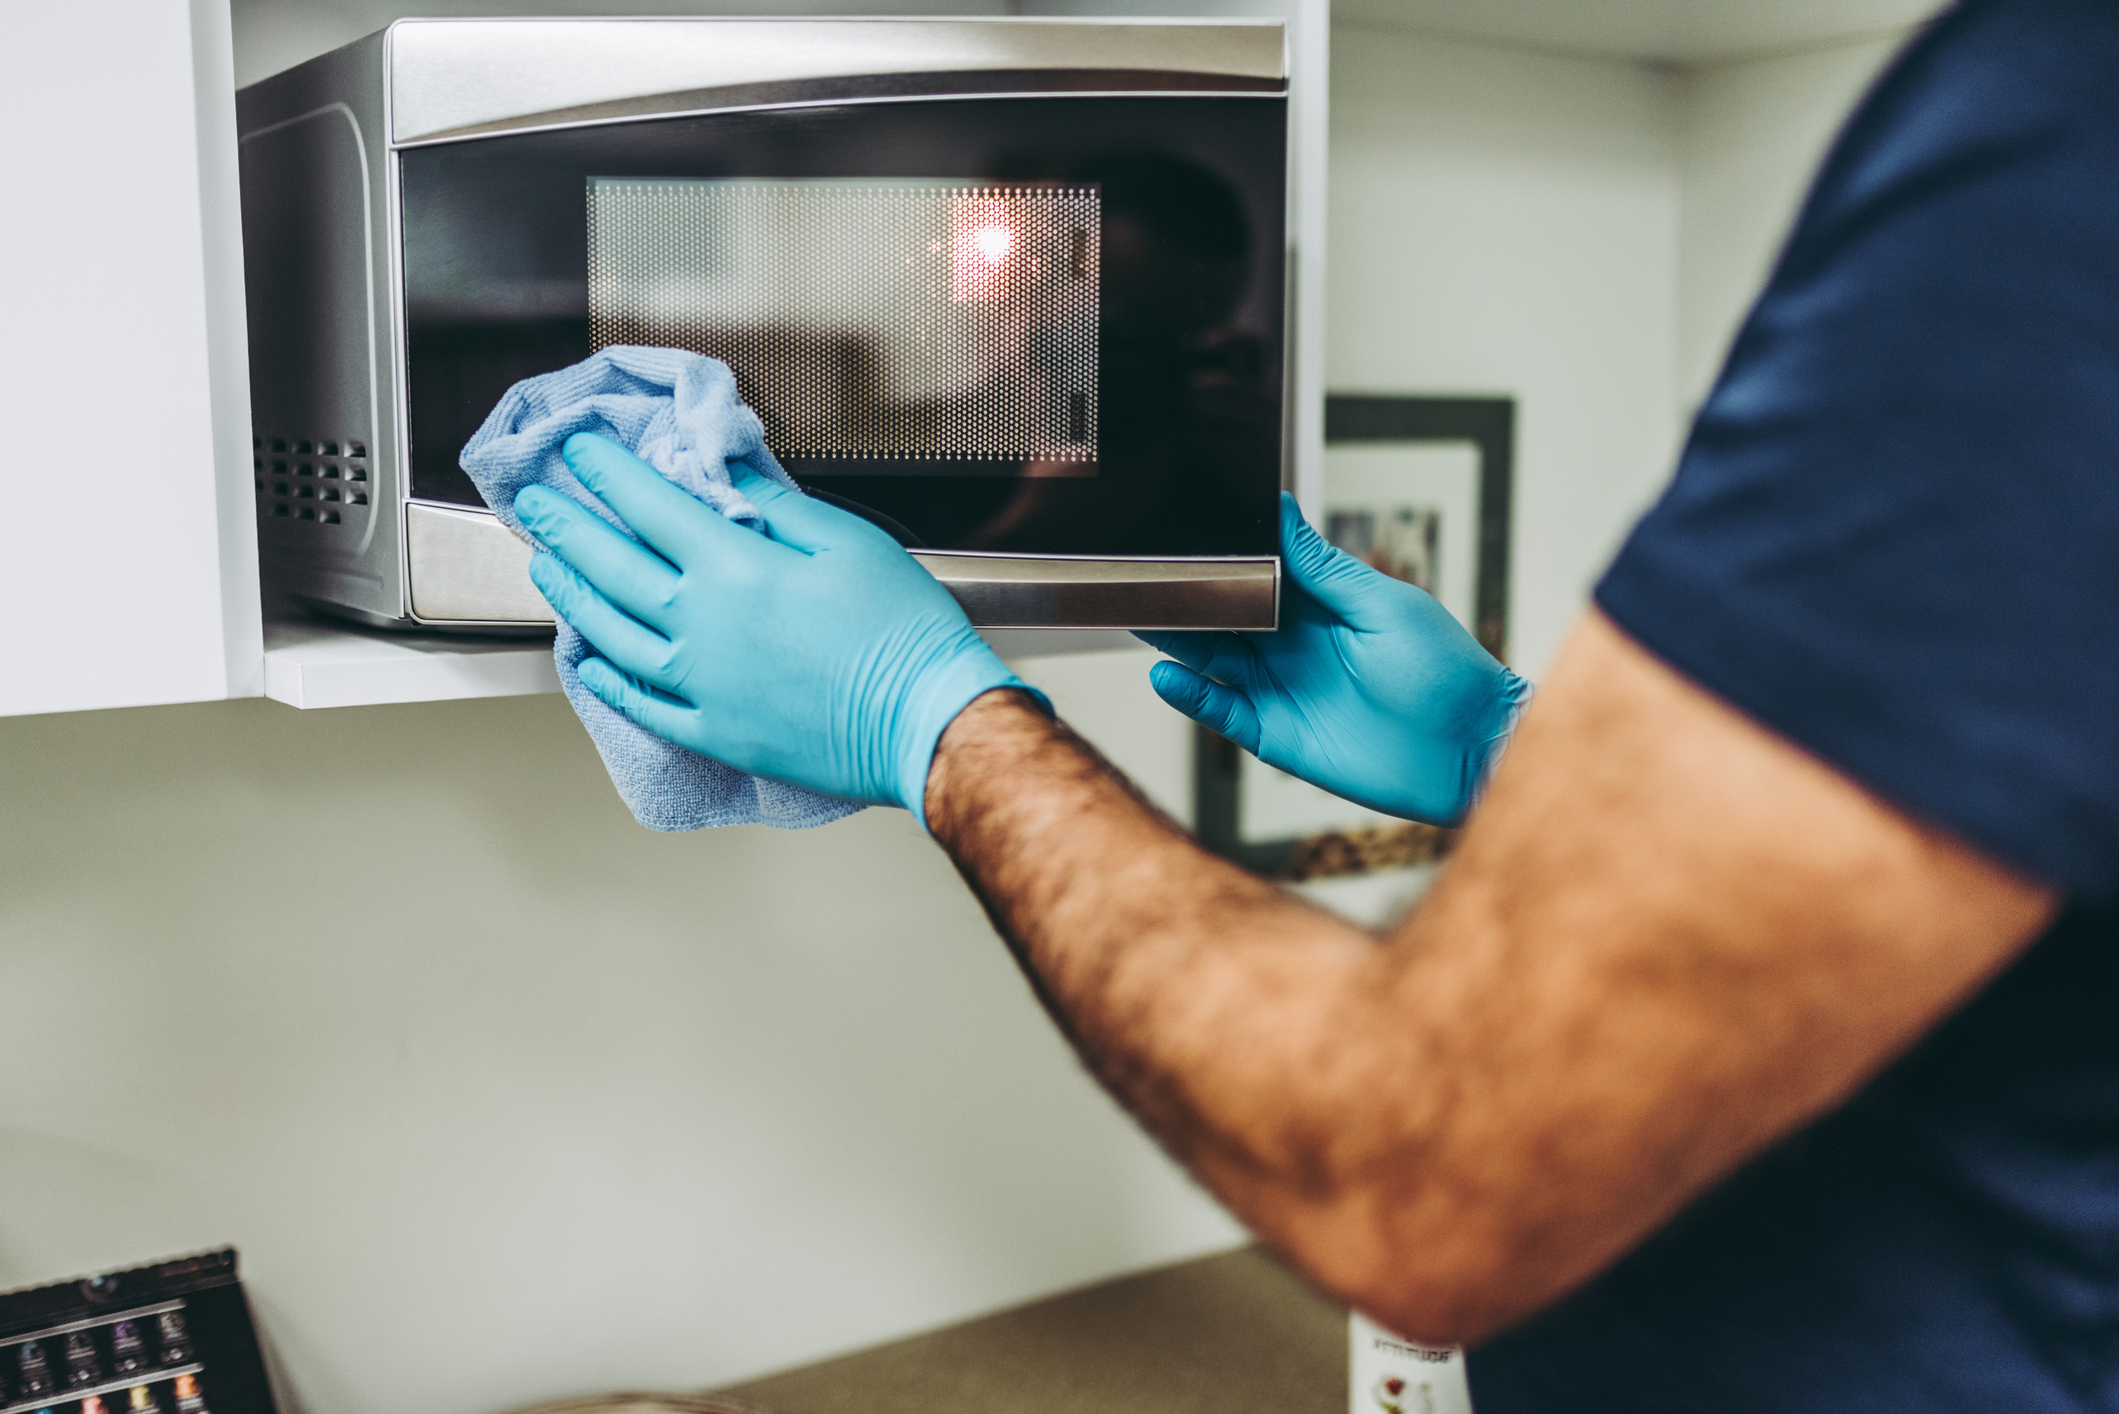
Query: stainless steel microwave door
{"points": [[880, 327], [1042, 324]]}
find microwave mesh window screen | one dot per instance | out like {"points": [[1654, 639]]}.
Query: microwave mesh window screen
{"points": [[923, 327]]}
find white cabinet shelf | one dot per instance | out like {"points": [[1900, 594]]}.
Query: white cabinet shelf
{"points": [[310, 663], [314, 664]]}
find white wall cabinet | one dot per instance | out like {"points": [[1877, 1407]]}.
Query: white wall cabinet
{"points": [[126, 491], [130, 569]]}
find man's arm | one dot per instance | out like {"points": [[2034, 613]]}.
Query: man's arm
{"points": [[1666, 939]]}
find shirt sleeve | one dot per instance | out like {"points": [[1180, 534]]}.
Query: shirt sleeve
{"points": [[1893, 537]]}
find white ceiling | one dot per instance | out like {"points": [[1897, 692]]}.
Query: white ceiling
{"points": [[1669, 31]]}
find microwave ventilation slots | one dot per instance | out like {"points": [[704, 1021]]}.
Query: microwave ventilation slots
{"points": [[893, 323], [314, 480]]}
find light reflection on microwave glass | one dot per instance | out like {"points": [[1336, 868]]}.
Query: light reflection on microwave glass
{"points": [[888, 324]]}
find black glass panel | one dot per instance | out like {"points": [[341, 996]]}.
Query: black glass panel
{"points": [[1183, 426]]}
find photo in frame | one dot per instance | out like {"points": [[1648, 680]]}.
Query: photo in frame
{"points": [[1420, 488]]}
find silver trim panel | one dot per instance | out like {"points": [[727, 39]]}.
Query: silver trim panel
{"points": [[466, 568], [460, 77]]}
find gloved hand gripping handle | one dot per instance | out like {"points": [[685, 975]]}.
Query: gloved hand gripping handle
{"points": [[1369, 688]]}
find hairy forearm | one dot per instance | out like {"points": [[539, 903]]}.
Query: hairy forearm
{"points": [[1268, 1045], [1272, 1048], [1171, 970]]}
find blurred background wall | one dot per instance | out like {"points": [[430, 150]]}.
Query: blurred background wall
{"points": [[1506, 221], [505, 1099], [1750, 132], [1581, 232]]}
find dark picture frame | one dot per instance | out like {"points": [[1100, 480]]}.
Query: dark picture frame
{"points": [[1487, 423]]}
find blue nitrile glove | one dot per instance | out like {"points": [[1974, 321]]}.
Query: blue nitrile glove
{"points": [[823, 656], [1369, 687]]}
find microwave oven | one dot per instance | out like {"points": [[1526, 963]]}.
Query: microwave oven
{"points": [[1013, 289]]}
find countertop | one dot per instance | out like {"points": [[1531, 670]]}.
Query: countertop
{"points": [[1229, 1334]]}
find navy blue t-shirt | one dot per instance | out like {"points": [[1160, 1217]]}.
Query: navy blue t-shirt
{"points": [[1894, 539]]}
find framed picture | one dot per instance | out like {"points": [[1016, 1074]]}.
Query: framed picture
{"points": [[1420, 488]]}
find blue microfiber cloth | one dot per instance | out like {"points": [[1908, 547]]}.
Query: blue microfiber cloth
{"points": [[679, 413]]}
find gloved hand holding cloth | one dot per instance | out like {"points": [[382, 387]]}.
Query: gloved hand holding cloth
{"points": [[816, 653]]}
